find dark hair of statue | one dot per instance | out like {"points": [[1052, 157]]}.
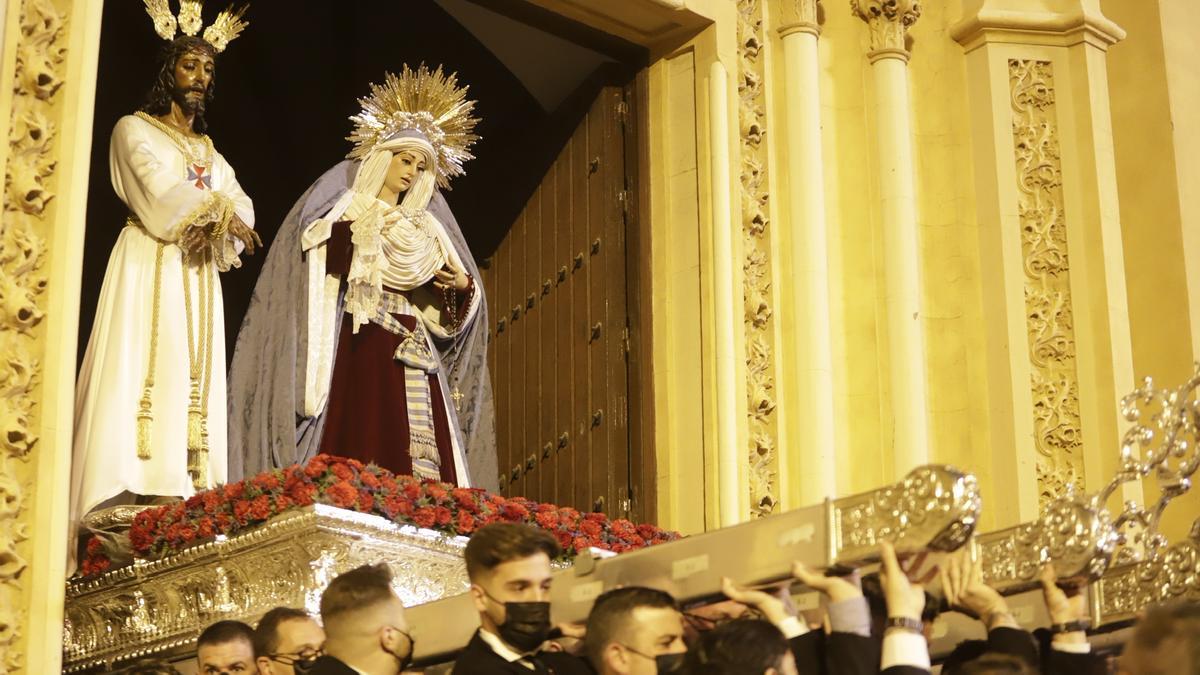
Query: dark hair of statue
{"points": [[159, 98], [740, 646], [612, 614], [359, 589], [223, 632], [498, 543], [266, 634]]}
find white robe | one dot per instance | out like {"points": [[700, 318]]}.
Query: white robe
{"points": [[150, 175]]}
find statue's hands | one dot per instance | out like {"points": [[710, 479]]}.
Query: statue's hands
{"points": [[239, 230], [194, 242], [451, 278]]}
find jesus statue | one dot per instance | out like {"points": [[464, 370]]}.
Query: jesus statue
{"points": [[150, 399]]}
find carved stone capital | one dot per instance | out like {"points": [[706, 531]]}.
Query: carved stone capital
{"points": [[888, 21], [798, 16]]}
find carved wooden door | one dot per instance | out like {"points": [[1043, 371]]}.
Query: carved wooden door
{"points": [[557, 288]]}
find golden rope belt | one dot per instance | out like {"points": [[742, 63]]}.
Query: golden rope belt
{"points": [[199, 366]]}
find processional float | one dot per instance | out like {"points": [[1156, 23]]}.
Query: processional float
{"points": [[159, 607]]}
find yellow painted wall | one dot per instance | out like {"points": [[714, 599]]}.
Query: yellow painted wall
{"points": [[952, 300], [1155, 95]]}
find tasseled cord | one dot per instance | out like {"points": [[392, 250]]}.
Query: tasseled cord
{"points": [[145, 414]]}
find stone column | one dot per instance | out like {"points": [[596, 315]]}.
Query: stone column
{"points": [[808, 466], [1059, 349], [725, 316], [888, 22]]}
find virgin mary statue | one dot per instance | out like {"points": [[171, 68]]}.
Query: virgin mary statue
{"points": [[366, 335]]}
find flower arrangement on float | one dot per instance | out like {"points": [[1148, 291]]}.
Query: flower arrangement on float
{"points": [[366, 488]]}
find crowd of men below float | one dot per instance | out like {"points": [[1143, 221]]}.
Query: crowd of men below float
{"points": [[869, 626]]}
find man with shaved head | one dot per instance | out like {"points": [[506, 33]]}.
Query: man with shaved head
{"points": [[365, 629]]}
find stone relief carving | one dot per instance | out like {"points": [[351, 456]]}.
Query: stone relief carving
{"points": [[1050, 322], [762, 458], [888, 22], [28, 189]]}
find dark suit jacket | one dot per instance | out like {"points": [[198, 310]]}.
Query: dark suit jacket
{"points": [[327, 665], [836, 654], [479, 659]]}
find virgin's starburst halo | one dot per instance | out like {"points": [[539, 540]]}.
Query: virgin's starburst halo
{"points": [[430, 102], [228, 25]]}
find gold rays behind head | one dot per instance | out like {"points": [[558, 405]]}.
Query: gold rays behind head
{"points": [[430, 102]]}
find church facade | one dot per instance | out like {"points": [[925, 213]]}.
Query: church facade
{"points": [[876, 234]]}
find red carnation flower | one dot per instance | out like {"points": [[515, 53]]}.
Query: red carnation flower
{"points": [[266, 481], [206, 528], [547, 521], [581, 544], [94, 546], [342, 494], [368, 479], [195, 500], [591, 528], [546, 508], [187, 533], [94, 566], [464, 498], [596, 517], [623, 527], [514, 512], [241, 511], [465, 524], [391, 505], [436, 492], [388, 483], [303, 494], [342, 471], [282, 503], [211, 500], [442, 515], [647, 531], [235, 490], [141, 540], [316, 466], [366, 501], [412, 490], [424, 517], [260, 508], [564, 540], [224, 523], [355, 464]]}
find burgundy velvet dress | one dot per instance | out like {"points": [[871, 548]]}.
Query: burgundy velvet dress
{"points": [[367, 416]]}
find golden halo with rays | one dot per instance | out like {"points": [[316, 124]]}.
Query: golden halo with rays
{"points": [[430, 102]]}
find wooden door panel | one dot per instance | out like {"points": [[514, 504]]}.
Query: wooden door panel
{"points": [[563, 428], [578, 288]]}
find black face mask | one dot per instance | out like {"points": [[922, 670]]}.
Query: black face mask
{"points": [[663, 663], [526, 624], [669, 663], [303, 665], [407, 659]]}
